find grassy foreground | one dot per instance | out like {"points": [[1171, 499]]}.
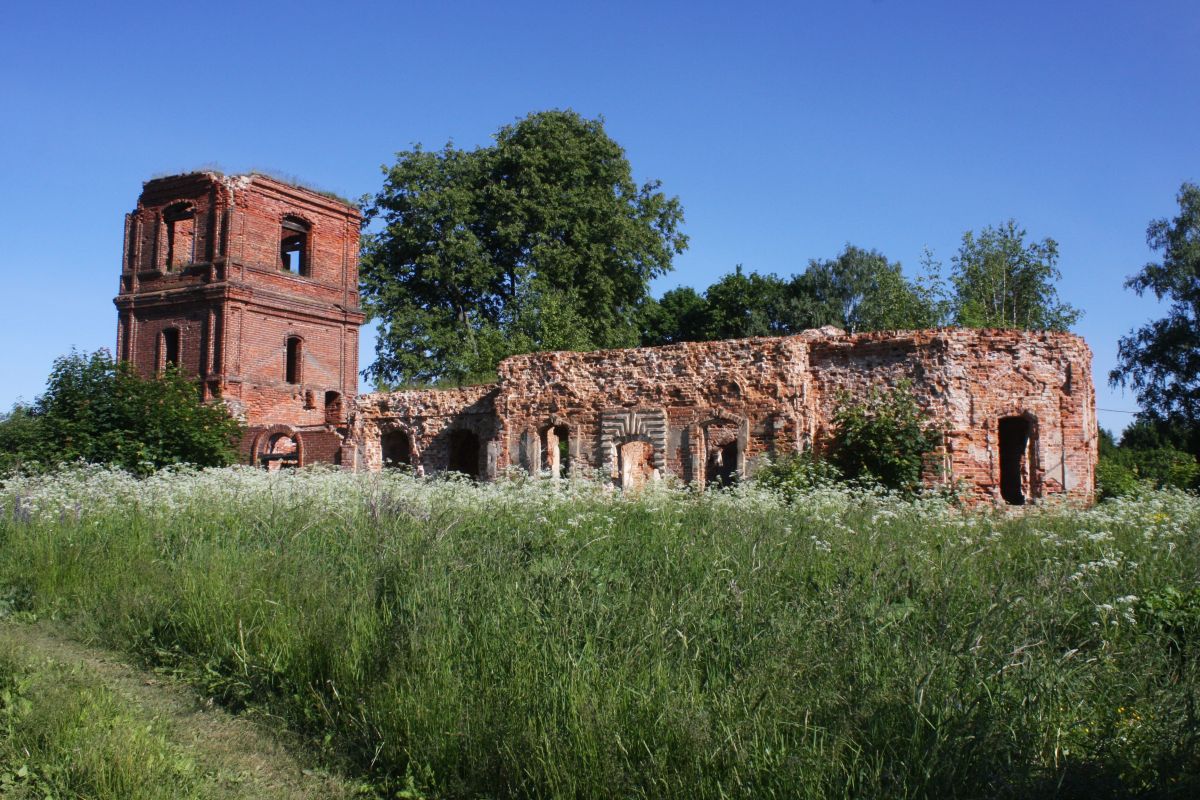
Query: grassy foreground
{"points": [[523, 639], [65, 734]]}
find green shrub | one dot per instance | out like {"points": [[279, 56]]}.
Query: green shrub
{"points": [[796, 473], [1124, 470], [1114, 478], [100, 411], [884, 438]]}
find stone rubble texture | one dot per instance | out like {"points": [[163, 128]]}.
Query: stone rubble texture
{"points": [[698, 411]]}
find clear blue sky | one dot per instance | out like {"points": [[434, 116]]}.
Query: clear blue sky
{"points": [[786, 129]]}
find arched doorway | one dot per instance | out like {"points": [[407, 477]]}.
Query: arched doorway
{"points": [[464, 453], [720, 453], [635, 461], [280, 452], [397, 449], [556, 451], [1016, 442]]}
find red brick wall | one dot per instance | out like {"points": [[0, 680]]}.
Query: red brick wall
{"points": [[770, 396], [428, 417], [234, 306]]}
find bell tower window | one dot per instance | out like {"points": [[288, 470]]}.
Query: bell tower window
{"points": [[293, 246], [168, 349], [180, 221]]}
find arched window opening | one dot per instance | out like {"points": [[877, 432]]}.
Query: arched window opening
{"points": [[180, 220], [397, 450], [464, 453], [556, 451], [281, 452], [293, 246], [1016, 443], [333, 408], [292, 359], [169, 349]]}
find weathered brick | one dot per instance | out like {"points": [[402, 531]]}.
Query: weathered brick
{"points": [[203, 257], [705, 410]]}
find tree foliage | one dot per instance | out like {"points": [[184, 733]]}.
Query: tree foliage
{"points": [[99, 411], [1161, 360], [541, 241], [859, 290], [1000, 281]]}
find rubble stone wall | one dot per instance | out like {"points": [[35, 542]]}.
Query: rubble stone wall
{"points": [[1017, 409], [428, 418]]}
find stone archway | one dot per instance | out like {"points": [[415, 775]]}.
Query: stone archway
{"points": [[278, 447]]}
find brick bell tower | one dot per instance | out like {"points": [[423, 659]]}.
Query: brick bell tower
{"points": [[250, 284]]}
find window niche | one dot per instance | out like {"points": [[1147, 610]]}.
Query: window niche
{"points": [[168, 349], [333, 408], [294, 246], [180, 222], [293, 359]]}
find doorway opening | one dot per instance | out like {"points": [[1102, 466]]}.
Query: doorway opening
{"points": [[464, 453], [635, 463], [556, 447], [397, 450], [1015, 435]]}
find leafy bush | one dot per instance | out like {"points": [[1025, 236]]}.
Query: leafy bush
{"points": [[796, 473], [1124, 470], [885, 438], [101, 411]]}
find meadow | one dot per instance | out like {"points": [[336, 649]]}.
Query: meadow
{"points": [[540, 639]]}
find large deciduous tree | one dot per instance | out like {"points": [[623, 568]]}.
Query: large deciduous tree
{"points": [[860, 290], [1161, 360], [540, 241], [1000, 281]]}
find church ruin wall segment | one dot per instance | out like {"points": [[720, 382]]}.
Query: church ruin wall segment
{"points": [[250, 285], [704, 409]]}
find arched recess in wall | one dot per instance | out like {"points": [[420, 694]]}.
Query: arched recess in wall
{"points": [[333, 408], [555, 440], [1017, 457], [277, 447], [464, 452], [717, 449], [635, 462], [293, 359], [622, 426], [396, 448]]}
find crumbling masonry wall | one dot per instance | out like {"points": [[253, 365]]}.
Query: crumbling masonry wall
{"points": [[1017, 409]]}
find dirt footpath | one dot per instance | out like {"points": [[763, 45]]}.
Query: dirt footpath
{"points": [[240, 758]]}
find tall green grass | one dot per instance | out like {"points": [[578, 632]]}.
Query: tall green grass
{"points": [[528, 640], [64, 734]]}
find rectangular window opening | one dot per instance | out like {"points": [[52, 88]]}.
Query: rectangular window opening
{"points": [[170, 348], [292, 368]]}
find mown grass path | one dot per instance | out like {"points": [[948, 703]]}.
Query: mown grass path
{"points": [[237, 757]]}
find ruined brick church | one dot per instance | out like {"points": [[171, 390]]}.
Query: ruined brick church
{"points": [[251, 284]]}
